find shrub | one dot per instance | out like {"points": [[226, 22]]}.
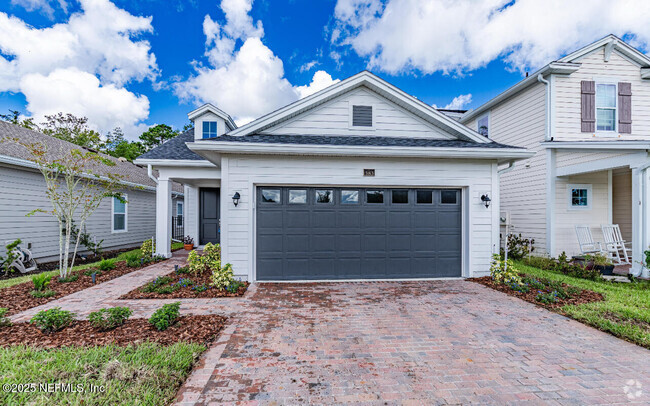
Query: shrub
{"points": [[210, 260], [157, 283], [4, 320], [147, 248], [185, 282], [11, 256], [106, 264], [234, 286], [547, 297], [133, 260], [545, 263], [221, 278], [195, 263], [165, 316], [92, 271], [200, 288], [183, 270], [55, 319], [504, 272], [41, 281], [69, 278], [42, 293], [108, 319], [519, 247]]}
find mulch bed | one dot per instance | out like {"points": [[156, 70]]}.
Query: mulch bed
{"points": [[17, 298], [187, 292], [196, 329], [585, 296]]}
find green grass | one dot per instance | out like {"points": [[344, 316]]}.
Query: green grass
{"points": [[147, 374], [122, 257], [625, 312]]}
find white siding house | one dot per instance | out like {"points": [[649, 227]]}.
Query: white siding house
{"points": [[358, 181]]}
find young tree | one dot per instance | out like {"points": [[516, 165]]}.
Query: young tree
{"points": [[14, 118], [156, 135], [118, 146], [75, 188], [69, 127]]}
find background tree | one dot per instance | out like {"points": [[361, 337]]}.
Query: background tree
{"points": [[69, 127], [118, 146], [188, 126], [156, 135], [14, 118]]}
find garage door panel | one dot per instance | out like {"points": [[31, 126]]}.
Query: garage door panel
{"points": [[399, 242], [449, 220], [374, 219], [297, 219], [348, 244], [323, 244], [349, 219], [297, 243], [374, 243], [272, 242], [425, 217], [323, 219], [373, 268], [349, 268], [322, 268], [400, 219]]}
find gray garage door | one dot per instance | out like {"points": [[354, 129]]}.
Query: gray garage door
{"points": [[356, 233]]}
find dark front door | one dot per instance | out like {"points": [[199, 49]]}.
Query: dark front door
{"points": [[209, 216], [357, 233]]}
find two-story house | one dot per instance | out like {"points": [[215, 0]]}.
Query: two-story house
{"points": [[587, 117]]}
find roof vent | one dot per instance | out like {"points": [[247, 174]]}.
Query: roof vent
{"points": [[362, 116]]}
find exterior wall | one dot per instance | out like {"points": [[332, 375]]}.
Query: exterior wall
{"points": [[567, 218], [192, 212], [622, 199], [333, 118], [520, 121], [24, 191], [569, 158], [618, 69], [243, 173]]}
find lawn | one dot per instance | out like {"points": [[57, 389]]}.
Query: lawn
{"points": [[28, 277], [625, 312], [147, 374]]}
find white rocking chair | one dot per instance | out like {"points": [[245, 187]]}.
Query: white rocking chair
{"points": [[615, 244], [586, 241]]}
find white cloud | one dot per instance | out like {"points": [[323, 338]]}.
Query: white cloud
{"points": [[307, 66], [99, 41], [246, 82], [43, 5], [457, 103], [460, 36]]}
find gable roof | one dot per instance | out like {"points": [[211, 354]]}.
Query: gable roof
{"points": [[16, 154], [174, 148], [377, 85], [613, 42], [208, 107]]}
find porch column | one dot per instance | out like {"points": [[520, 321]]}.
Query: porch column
{"points": [[639, 220], [163, 218], [192, 213]]}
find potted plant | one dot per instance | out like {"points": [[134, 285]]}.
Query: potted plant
{"points": [[188, 243], [599, 262]]}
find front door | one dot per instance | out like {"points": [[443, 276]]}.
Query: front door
{"points": [[209, 216]]}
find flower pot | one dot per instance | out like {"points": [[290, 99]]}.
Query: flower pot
{"points": [[188, 247], [605, 269]]}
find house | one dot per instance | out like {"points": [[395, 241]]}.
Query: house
{"points": [[357, 181], [587, 118], [119, 225]]}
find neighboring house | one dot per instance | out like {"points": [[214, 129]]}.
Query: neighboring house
{"points": [[119, 225], [357, 181], [587, 117]]}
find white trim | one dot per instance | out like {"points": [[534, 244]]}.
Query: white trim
{"points": [[610, 197], [208, 107], [569, 195], [606, 133], [619, 45], [351, 125], [603, 164], [182, 206], [604, 145], [126, 215], [175, 162], [551, 197]]}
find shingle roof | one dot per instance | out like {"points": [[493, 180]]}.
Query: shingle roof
{"points": [[174, 149], [57, 147]]}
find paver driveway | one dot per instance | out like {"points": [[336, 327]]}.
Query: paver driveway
{"points": [[441, 342]]}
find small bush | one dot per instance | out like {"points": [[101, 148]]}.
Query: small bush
{"points": [[4, 320], [42, 293], [49, 321], [41, 281], [200, 288], [185, 282], [69, 278], [234, 286], [165, 316], [183, 270], [221, 278], [547, 297], [147, 248], [504, 272], [133, 260], [157, 284], [519, 247], [92, 271], [106, 264], [108, 319], [210, 260], [195, 263]]}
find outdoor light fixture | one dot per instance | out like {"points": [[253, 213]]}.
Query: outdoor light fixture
{"points": [[486, 200], [235, 198]]}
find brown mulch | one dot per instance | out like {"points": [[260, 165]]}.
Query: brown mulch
{"points": [[585, 296], [187, 292], [17, 298], [196, 329]]}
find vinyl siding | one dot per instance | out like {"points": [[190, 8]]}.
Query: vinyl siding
{"points": [[569, 158], [242, 173], [24, 191], [618, 69], [622, 197], [333, 118]]}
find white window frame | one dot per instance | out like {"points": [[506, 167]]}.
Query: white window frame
{"points": [[361, 103], [216, 130], [486, 115], [590, 195], [611, 82], [179, 204], [126, 215]]}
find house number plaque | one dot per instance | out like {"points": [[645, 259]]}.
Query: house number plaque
{"points": [[368, 172]]}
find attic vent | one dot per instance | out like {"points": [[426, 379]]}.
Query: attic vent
{"points": [[362, 116]]}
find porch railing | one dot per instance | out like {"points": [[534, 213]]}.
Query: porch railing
{"points": [[178, 229]]}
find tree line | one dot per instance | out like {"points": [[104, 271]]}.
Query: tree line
{"points": [[76, 130]]}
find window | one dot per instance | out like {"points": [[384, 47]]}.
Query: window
{"points": [[324, 196], [349, 196], [483, 125], [424, 197], [375, 196], [179, 214], [298, 196], [362, 116], [118, 221], [448, 197], [209, 129], [271, 195], [579, 196], [605, 107], [400, 196]]}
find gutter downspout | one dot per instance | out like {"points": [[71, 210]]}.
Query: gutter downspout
{"points": [[547, 132], [511, 166], [150, 173]]}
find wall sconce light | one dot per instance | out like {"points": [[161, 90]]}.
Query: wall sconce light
{"points": [[486, 200], [235, 198]]}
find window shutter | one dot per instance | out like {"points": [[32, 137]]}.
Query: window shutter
{"points": [[625, 108], [588, 106]]}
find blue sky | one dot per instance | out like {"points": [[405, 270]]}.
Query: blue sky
{"points": [[137, 63]]}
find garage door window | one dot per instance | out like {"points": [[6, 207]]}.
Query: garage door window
{"points": [[448, 197], [375, 196], [298, 196], [424, 197], [400, 196], [349, 196], [271, 195], [324, 196]]}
